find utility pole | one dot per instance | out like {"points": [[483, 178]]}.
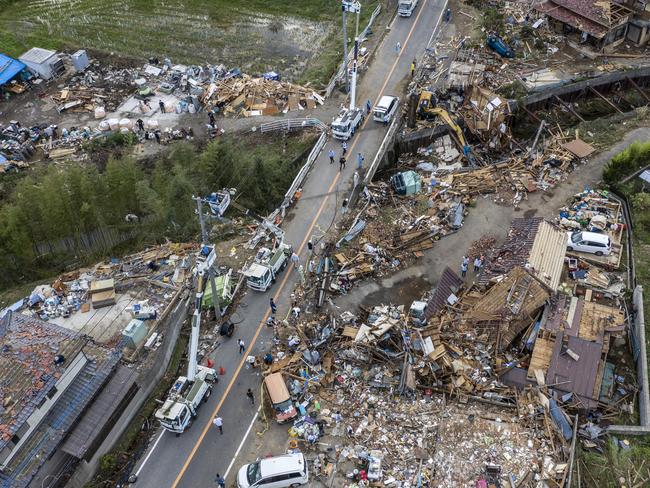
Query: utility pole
{"points": [[344, 6], [353, 7], [353, 89], [211, 256]]}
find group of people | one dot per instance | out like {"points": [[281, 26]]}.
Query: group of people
{"points": [[478, 264], [343, 160]]}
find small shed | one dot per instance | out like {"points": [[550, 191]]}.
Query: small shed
{"points": [[9, 68], [43, 62]]}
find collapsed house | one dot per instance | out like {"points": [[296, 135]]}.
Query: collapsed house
{"points": [[50, 375], [601, 23]]}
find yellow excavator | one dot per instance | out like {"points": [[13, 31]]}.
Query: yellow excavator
{"points": [[426, 110]]}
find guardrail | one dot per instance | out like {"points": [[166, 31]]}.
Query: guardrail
{"points": [[339, 73], [381, 152], [300, 177], [292, 124]]}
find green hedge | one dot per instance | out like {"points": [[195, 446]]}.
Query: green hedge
{"points": [[625, 163]]}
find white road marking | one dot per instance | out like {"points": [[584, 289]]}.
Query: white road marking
{"points": [[137, 473], [225, 476]]}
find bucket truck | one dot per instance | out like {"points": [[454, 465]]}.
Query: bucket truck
{"points": [[349, 119], [187, 393], [268, 263]]}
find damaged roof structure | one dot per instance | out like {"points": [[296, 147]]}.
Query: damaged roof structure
{"points": [[48, 376], [533, 243], [603, 21]]}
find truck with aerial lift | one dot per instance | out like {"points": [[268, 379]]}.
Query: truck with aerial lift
{"points": [[188, 392], [270, 261], [349, 118]]}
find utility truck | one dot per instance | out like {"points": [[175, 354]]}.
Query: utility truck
{"points": [[406, 7], [349, 118], [346, 123], [188, 392], [261, 274]]}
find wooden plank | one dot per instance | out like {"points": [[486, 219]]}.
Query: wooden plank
{"points": [[568, 107], [638, 88], [605, 99]]}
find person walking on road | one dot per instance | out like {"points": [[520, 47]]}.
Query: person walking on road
{"points": [[242, 346], [221, 483], [398, 48], [344, 148], [218, 423], [448, 15], [331, 155], [341, 163], [355, 179], [368, 106], [360, 160], [161, 104], [295, 259], [273, 306], [250, 396]]}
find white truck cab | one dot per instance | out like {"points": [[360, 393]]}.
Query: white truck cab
{"points": [[406, 7], [261, 274], [346, 123], [184, 398]]}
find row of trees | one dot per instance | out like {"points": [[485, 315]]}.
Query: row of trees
{"points": [[66, 203]]}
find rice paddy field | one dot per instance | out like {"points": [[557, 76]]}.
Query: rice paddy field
{"points": [[255, 35]]}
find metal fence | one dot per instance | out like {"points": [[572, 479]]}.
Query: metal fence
{"points": [[292, 124], [341, 71], [381, 152]]}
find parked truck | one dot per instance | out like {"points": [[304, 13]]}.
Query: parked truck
{"points": [[346, 123], [181, 405], [184, 399], [406, 7], [268, 264]]}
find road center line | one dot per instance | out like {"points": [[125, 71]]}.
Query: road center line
{"points": [[199, 441]]}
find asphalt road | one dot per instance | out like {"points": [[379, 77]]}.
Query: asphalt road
{"points": [[194, 458]]}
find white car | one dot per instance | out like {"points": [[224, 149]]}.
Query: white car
{"points": [[385, 109], [591, 242], [285, 471]]}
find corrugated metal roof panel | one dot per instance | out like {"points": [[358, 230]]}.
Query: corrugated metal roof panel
{"points": [[37, 55]]}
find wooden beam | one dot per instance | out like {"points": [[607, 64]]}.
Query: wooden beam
{"points": [[568, 107], [638, 88], [605, 100]]}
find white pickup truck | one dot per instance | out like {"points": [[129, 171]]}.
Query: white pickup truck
{"points": [[406, 7], [346, 123], [261, 274]]}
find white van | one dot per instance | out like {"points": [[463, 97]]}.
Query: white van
{"points": [[385, 109], [591, 242], [285, 471]]}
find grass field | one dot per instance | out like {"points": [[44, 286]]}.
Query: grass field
{"points": [[256, 35]]}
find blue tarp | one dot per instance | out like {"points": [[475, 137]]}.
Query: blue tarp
{"points": [[9, 68], [558, 416]]}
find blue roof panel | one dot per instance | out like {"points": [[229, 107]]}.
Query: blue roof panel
{"points": [[9, 67]]}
